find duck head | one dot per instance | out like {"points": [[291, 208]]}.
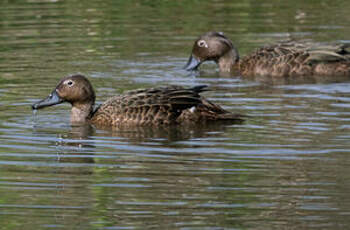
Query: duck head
{"points": [[76, 90], [212, 46]]}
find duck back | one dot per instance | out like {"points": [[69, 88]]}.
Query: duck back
{"points": [[155, 106], [297, 59]]}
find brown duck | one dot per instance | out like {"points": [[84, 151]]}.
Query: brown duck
{"points": [[279, 60], [154, 106]]}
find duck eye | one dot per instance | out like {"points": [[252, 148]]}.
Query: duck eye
{"points": [[69, 83], [202, 43]]}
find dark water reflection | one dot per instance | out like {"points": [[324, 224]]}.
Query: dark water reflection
{"points": [[286, 167]]}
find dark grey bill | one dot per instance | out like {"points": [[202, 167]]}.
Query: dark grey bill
{"points": [[192, 64], [52, 99]]}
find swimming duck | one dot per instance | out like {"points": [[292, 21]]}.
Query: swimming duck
{"points": [[154, 106], [279, 60]]}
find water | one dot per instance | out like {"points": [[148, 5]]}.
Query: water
{"points": [[286, 167]]}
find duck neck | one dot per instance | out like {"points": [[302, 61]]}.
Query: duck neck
{"points": [[81, 112], [228, 61]]}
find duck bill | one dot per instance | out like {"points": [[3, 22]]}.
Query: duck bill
{"points": [[192, 64], [52, 99]]}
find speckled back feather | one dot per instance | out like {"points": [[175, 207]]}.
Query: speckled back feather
{"points": [[160, 106], [297, 59], [157, 106]]}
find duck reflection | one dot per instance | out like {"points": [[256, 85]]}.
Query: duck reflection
{"points": [[77, 147], [266, 80], [166, 133], [314, 79], [79, 143], [125, 180]]}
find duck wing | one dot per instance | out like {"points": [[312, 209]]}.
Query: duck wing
{"points": [[161, 105], [293, 58]]}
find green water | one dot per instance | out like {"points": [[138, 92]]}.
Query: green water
{"points": [[286, 167]]}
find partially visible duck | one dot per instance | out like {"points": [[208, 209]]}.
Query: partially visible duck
{"points": [[154, 106], [279, 60]]}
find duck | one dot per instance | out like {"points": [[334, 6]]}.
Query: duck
{"points": [[283, 59], [167, 105]]}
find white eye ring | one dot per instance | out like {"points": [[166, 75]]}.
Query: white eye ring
{"points": [[202, 43], [70, 83]]}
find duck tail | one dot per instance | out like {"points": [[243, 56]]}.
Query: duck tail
{"points": [[213, 112], [225, 117], [200, 88]]}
